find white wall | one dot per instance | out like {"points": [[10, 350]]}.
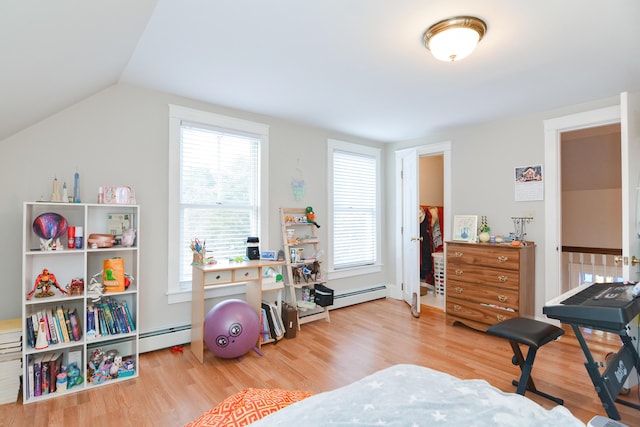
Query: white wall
{"points": [[483, 161], [120, 136]]}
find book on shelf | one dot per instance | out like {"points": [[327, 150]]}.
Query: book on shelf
{"points": [[52, 327], [29, 380], [55, 367], [277, 319], [272, 331], [67, 322], [76, 326], [63, 324], [37, 375], [264, 332], [127, 313], [31, 333], [45, 375]]}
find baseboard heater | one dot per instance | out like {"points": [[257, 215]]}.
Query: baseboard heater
{"points": [[165, 338], [181, 334], [356, 296]]}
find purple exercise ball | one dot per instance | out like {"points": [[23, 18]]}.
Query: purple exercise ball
{"points": [[231, 328]]}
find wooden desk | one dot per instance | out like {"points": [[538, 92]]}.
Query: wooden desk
{"points": [[225, 273]]}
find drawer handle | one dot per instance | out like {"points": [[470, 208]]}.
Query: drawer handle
{"points": [[456, 307], [501, 318], [459, 289], [246, 274], [458, 272], [502, 279], [502, 258], [458, 254], [502, 298], [218, 277]]}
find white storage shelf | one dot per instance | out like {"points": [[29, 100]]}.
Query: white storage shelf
{"points": [[67, 264]]}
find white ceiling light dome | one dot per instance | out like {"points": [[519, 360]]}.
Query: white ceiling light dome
{"points": [[455, 38]]}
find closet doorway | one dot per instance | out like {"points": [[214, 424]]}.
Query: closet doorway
{"points": [[431, 201]]}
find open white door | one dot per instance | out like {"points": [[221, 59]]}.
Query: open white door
{"points": [[410, 230], [630, 146]]}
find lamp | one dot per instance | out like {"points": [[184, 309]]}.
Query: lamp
{"points": [[454, 38]]}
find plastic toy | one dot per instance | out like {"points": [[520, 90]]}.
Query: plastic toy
{"points": [[311, 216], [44, 281], [76, 287], [73, 375], [231, 329], [100, 372]]}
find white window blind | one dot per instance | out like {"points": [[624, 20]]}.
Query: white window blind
{"points": [[355, 200], [218, 191]]}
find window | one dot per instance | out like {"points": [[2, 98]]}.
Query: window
{"points": [[216, 172], [354, 206]]}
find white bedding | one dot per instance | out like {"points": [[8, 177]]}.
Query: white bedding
{"points": [[413, 396]]}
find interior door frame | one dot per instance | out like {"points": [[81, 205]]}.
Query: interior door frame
{"points": [[553, 128], [441, 148]]}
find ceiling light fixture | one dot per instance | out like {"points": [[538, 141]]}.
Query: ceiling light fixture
{"points": [[454, 38]]}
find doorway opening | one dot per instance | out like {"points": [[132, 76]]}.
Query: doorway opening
{"points": [[431, 202], [591, 205]]}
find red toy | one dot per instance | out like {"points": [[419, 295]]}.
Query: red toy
{"points": [[44, 281]]}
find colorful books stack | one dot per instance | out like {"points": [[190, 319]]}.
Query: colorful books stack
{"points": [[109, 317], [10, 359], [61, 325], [42, 373]]}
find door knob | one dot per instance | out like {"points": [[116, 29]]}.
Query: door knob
{"points": [[635, 260], [415, 239]]}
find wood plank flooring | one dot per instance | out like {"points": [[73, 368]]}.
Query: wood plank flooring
{"points": [[174, 388]]}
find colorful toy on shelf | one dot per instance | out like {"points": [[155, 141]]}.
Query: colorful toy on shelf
{"points": [[76, 287], [49, 226], [44, 281], [311, 216], [73, 375]]}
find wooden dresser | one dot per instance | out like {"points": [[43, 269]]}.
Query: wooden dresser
{"points": [[488, 283]]}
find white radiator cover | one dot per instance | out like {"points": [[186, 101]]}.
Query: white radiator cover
{"points": [[181, 334]]}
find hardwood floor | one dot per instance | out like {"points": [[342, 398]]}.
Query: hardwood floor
{"points": [[174, 388]]}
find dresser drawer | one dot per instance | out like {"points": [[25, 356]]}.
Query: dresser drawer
{"points": [[483, 275], [477, 313], [502, 297], [496, 256], [241, 274], [217, 277]]}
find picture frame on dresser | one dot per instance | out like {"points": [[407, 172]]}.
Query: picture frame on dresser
{"points": [[465, 228]]}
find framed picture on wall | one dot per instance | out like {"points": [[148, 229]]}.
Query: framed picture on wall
{"points": [[465, 228]]}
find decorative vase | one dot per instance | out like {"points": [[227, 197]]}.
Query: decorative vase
{"points": [[484, 237]]}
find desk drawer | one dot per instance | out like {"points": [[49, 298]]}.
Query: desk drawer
{"points": [[242, 274], [217, 277]]}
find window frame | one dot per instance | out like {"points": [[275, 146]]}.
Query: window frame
{"points": [[177, 115], [334, 145]]}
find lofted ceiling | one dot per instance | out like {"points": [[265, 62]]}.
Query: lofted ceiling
{"points": [[353, 66]]}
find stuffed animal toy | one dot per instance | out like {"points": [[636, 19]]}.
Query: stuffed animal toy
{"points": [[311, 216]]}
